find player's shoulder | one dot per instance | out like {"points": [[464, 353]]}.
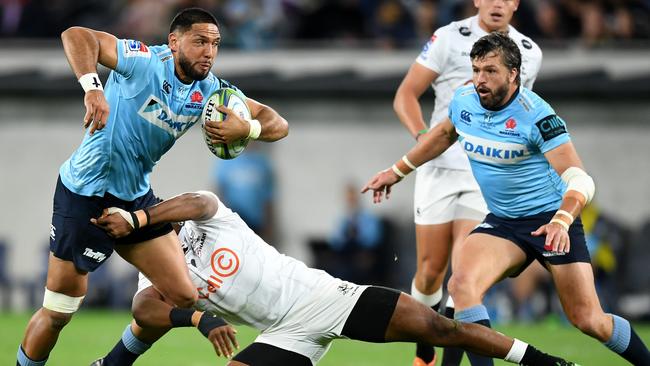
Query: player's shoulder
{"points": [[459, 28], [525, 43], [532, 105]]}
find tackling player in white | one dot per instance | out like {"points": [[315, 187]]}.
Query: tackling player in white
{"points": [[447, 200], [298, 310]]}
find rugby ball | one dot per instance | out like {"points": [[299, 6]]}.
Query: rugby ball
{"points": [[234, 100]]}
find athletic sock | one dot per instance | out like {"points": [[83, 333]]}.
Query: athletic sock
{"points": [[451, 356], [627, 343], [424, 351], [127, 350], [23, 360], [476, 314]]}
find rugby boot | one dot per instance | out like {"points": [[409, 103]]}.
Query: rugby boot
{"points": [[419, 362], [98, 362]]}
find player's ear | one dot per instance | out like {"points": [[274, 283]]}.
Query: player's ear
{"points": [[513, 75], [172, 40]]}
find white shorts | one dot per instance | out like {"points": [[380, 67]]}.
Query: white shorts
{"points": [[313, 322], [444, 195]]}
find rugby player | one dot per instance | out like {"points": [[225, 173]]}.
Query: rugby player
{"points": [[447, 202], [298, 310], [535, 187], [152, 97]]}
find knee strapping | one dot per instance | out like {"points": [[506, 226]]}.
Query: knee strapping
{"points": [[61, 303]]}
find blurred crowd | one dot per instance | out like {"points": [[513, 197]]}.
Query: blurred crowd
{"points": [[260, 24]]}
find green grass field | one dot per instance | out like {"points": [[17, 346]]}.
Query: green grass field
{"points": [[92, 334]]}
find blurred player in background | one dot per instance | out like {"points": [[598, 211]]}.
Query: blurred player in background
{"points": [[299, 310], [152, 97], [535, 187], [447, 201]]}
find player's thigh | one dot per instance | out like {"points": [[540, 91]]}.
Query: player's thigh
{"points": [[433, 244], [162, 261], [460, 231], [575, 287], [413, 321], [64, 278], [483, 260]]}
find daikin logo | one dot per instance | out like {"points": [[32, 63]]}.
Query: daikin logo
{"points": [[492, 152]]}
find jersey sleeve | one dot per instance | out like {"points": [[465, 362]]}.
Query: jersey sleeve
{"points": [[549, 132], [133, 59], [434, 53]]}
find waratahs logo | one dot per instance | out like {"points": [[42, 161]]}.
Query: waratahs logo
{"points": [[196, 100], [511, 123]]}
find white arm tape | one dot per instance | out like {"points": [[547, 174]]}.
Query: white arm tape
{"points": [[578, 180], [126, 215], [90, 81], [61, 303], [255, 129]]}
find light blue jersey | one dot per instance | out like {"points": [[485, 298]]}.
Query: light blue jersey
{"points": [[505, 149], [149, 109]]}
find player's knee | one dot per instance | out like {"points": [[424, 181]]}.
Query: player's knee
{"points": [[462, 288], [58, 308], [585, 319], [184, 298], [429, 272], [56, 321]]}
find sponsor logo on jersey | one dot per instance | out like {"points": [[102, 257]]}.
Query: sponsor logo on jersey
{"points": [[196, 100], [135, 49], [347, 288], [464, 31], [551, 127], [466, 116], [495, 152], [526, 43], [52, 232], [510, 126], [97, 256], [156, 112]]}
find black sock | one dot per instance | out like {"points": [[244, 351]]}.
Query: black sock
{"points": [[636, 352], [120, 356], [535, 357], [477, 360], [424, 351], [451, 356]]}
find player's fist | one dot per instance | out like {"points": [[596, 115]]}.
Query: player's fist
{"points": [[96, 110], [116, 222]]}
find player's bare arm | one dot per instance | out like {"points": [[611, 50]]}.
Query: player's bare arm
{"points": [[150, 310], [84, 48], [406, 103], [273, 126], [187, 206], [580, 189], [431, 145]]}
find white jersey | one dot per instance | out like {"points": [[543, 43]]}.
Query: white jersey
{"points": [[447, 54], [239, 276]]}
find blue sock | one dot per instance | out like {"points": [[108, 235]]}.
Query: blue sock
{"points": [[627, 343], [23, 360], [476, 314], [127, 350]]}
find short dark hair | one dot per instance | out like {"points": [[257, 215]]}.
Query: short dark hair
{"points": [[501, 44], [185, 18]]}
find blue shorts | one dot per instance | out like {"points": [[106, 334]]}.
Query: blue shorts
{"points": [[518, 231], [74, 238]]}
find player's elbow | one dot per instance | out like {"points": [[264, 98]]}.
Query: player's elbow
{"points": [[71, 32]]}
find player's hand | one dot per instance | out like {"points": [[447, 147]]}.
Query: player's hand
{"points": [[231, 129], [96, 110], [114, 223], [223, 340], [557, 237], [381, 183]]}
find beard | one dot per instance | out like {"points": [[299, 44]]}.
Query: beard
{"points": [[495, 98], [188, 69]]}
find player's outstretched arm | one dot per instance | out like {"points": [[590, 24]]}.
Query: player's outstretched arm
{"points": [[407, 99], [431, 145], [198, 206], [84, 48], [580, 190], [150, 310]]}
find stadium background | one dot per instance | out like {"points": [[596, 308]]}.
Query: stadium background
{"points": [[331, 68]]}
